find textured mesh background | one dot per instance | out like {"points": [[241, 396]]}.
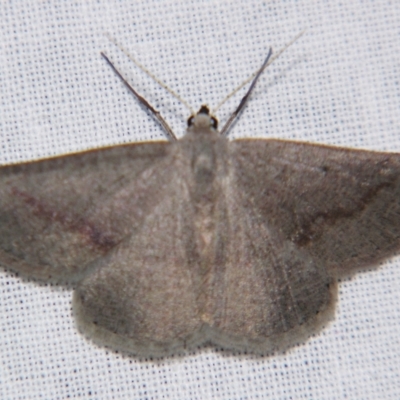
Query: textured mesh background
{"points": [[339, 85]]}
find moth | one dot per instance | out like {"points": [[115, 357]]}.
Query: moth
{"points": [[173, 244]]}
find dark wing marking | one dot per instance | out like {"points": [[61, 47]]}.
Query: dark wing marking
{"points": [[58, 215], [342, 206]]}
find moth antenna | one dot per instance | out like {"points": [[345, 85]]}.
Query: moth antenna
{"points": [[245, 98], [142, 100], [148, 73], [254, 78]]}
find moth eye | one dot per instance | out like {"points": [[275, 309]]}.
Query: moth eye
{"points": [[190, 121], [214, 122]]}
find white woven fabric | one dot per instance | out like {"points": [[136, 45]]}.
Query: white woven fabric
{"points": [[339, 84]]}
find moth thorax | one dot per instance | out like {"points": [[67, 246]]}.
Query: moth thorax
{"points": [[202, 121]]}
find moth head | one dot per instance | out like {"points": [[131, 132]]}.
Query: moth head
{"points": [[203, 119]]}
